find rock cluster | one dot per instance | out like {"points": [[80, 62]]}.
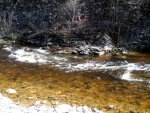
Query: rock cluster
{"points": [[7, 106], [82, 43]]}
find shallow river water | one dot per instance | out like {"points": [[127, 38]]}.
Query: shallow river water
{"points": [[112, 84]]}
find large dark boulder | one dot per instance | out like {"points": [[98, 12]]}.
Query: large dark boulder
{"points": [[41, 38]]}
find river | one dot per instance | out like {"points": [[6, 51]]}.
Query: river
{"points": [[118, 83]]}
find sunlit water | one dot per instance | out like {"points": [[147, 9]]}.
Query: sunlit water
{"points": [[122, 81]]}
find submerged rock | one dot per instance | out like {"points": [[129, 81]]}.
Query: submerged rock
{"points": [[11, 91], [88, 50], [7, 106]]}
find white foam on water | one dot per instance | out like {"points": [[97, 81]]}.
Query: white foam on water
{"points": [[41, 51], [40, 56], [57, 58], [30, 55], [111, 66], [94, 65], [131, 67], [7, 48], [127, 76]]}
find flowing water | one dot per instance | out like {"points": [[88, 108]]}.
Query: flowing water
{"points": [[112, 84]]}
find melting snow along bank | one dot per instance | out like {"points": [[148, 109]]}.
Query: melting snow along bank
{"points": [[7, 106]]}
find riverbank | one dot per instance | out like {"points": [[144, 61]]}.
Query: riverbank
{"points": [[8, 106], [130, 28], [79, 42]]}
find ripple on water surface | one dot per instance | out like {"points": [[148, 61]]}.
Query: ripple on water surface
{"points": [[41, 56], [74, 79]]}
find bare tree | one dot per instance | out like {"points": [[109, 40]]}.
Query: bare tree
{"points": [[71, 14], [6, 22]]}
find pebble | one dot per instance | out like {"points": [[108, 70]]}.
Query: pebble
{"points": [[98, 78], [37, 103], [55, 102], [7, 106], [79, 109], [30, 98], [111, 106], [63, 108], [44, 102], [11, 91]]}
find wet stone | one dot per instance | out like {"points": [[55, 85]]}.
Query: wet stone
{"points": [[55, 102], [30, 98], [11, 91]]}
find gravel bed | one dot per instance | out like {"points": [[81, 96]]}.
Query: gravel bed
{"points": [[7, 106]]}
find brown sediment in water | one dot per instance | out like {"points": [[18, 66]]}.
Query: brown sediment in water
{"points": [[136, 57], [51, 85], [93, 89]]}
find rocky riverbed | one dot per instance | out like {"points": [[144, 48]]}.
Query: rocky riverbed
{"points": [[62, 53], [8, 106], [110, 83]]}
